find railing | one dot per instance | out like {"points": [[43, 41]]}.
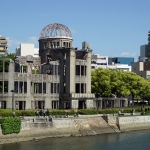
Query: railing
{"points": [[82, 95]]}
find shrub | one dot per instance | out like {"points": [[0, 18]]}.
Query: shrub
{"points": [[10, 125], [108, 111], [87, 111], [57, 112]]}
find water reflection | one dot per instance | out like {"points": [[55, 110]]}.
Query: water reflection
{"points": [[138, 140]]}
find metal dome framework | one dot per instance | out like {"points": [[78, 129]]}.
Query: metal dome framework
{"points": [[55, 30]]}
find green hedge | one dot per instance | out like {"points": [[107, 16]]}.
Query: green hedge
{"points": [[108, 111], [115, 110], [62, 112], [25, 112], [87, 111], [57, 112], [10, 125], [8, 113]]}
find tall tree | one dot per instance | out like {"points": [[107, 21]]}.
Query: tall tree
{"points": [[101, 82], [110, 81]]}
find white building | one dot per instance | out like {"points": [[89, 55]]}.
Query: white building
{"points": [[102, 62], [27, 49]]}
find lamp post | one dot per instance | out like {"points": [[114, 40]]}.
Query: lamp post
{"points": [[97, 96], [12, 99]]}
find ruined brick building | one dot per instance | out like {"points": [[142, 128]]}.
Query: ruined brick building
{"points": [[63, 79]]}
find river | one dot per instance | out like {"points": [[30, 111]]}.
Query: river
{"points": [[137, 140]]}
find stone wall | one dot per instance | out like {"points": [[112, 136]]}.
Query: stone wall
{"points": [[134, 123], [76, 126], [62, 127], [128, 123]]}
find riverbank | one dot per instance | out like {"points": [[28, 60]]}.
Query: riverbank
{"points": [[37, 128]]}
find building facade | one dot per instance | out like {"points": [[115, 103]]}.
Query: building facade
{"points": [[73, 71], [59, 79], [63, 79], [3, 46], [142, 67], [108, 63], [27, 49], [121, 60]]}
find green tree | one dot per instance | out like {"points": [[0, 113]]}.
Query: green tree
{"points": [[101, 82], [118, 85], [6, 62], [121, 83]]}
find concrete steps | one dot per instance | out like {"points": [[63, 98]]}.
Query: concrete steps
{"points": [[100, 126], [115, 128]]}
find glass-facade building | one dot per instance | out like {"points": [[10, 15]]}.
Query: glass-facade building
{"points": [[121, 60]]}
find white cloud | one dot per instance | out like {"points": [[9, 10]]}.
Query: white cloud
{"points": [[127, 54], [13, 42], [73, 31]]}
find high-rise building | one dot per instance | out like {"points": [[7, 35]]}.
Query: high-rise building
{"points": [[3, 46], [142, 67]]}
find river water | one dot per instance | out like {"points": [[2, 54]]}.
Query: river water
{"points": [[137, 140]]}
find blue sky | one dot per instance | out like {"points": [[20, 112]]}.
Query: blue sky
{"points": [[112, 27]]}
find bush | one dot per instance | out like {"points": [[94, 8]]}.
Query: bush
{"points": [[25, 112], [87, 111], [8, 113], [10, 125], [108, 111], [57, 112]]}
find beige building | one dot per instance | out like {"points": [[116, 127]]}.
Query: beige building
{"points": [[142, 69], [59, 79], [71, 66], [3, 46], [64, 79]]}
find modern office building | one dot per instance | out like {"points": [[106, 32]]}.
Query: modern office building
{"points": [[3, 46], [142, 67], [106, 62], [27, 49], [121, 60]]}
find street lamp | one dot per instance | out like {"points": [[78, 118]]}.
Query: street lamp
{"points": [[13, 91], [97, 101]]}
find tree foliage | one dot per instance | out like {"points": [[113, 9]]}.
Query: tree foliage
{"points": [[4, 61], [109, 82]]}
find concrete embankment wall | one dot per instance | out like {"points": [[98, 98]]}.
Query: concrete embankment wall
{"points": [[134, 123], [62, 127], [81, 126]]}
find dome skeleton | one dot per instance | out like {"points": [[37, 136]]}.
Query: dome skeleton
{"points": [[55, 30]]}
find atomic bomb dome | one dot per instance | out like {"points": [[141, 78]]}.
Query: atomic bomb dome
{"points": [[55, 30], [54, 36]]}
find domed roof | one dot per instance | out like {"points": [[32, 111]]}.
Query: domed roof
{"points": [[55, 30]]}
